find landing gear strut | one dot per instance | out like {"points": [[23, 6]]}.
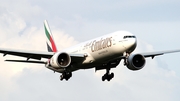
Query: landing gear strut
{"points": [[65, 75], [107, 76], [125, 60]]}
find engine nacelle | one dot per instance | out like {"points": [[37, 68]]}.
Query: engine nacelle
{"points": [[59, 60], [135, 62]]}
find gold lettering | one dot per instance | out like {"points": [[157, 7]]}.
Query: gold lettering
{"points": [[101, 44], [109, 42], [92, 47]]}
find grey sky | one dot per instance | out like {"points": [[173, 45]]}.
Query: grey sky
{"points": [[155, 23]]}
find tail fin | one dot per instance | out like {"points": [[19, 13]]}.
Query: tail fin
{"points": [[50, 41]]}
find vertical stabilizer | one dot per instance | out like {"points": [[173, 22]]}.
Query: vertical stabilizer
{"points": [[51, 46]]}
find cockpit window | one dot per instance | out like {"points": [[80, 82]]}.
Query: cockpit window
{"points": [[129, 37]]}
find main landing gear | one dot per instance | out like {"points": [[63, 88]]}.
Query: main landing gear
{"points": [[107, 76], [66, 76]]}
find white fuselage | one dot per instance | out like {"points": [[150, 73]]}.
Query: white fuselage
{"points": [[103, 49]]}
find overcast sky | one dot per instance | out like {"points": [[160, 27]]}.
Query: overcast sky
{"points": [[156, 23]]}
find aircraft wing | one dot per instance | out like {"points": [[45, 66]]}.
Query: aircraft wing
{"points": [[27, 54], [153, 54], [36, 55]]}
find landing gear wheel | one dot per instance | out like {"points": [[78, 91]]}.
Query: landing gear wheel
{"points": [[66, 79], [107, 76], [66, 76], [104, 77], [61, 77], [112, 75]]}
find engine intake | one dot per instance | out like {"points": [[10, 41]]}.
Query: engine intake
{"points": [[60, 60], [135, 62], [64, 59]]}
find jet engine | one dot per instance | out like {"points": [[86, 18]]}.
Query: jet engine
{"points": [[135, 62], [60, 60]]}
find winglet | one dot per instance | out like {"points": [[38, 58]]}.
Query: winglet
{"points": [[50, 41]]}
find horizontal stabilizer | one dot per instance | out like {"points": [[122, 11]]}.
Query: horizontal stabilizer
{"points": [[29, 61]]}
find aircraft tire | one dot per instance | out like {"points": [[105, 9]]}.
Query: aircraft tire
{"points": [[112, 75], [104, 77], [61, 77]]}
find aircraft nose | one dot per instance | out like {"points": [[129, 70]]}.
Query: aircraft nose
{"points": [[131, 45]]}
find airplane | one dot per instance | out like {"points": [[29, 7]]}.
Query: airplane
{"points": [[104, 52]]}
